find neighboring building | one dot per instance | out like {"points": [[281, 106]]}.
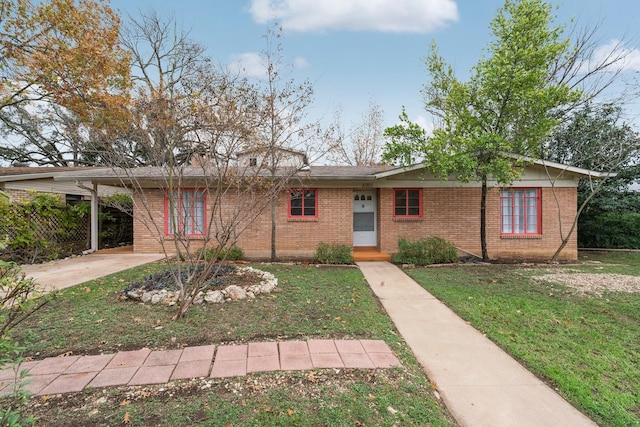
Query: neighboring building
{"points": [[262, 158], [20, 182], [374, 207]]}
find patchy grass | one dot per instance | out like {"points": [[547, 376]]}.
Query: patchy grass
{"points": [[588, 347], [310, 302]]}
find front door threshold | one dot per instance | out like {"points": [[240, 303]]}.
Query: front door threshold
{"points": [[369, 253]]}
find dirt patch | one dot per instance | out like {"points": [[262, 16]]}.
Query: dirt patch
{"points": [[594, 283], [108, 405]]}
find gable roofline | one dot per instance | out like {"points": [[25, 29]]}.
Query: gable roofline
{"points": [[563, 168], [544, 163]]}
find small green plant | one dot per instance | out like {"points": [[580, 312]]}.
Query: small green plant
{"points": [[431, 250], [234, 253], [333, 254], [17, 302], [17, 397]]}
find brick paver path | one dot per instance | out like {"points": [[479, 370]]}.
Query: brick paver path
{"points": [[73, 373]]}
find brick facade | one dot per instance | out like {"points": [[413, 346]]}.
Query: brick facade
{"points": [[452, 213]]}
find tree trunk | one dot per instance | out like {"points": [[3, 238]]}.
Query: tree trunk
{"points": [[483, 220]]}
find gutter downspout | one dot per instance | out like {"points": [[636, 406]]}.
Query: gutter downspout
{"points": [[94, 216]]}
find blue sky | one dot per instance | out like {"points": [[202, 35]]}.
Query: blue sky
{"points": [[361, 51]]}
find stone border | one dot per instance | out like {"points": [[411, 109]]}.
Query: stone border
{"points": [[268, 283]]}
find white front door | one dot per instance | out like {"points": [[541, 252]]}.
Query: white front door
{"points": [[364, 218]]}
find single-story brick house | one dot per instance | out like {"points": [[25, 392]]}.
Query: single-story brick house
{"points": [[374, 206]]}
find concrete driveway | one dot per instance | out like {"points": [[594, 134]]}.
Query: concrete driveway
{"points": [[68, 272]]}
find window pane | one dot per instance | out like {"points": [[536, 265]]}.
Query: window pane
{"points": [[532, 212], [507, 210], [199, 216], [401, 202], [309, 202], [296, 203], [310, 195], [302, 203], [186, 211], [363, 221], [414, 197], [520, 211]]}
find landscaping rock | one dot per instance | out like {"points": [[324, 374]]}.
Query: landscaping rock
{"points": [[152, 291], [199, 299], [235, 293], [213, 297]]}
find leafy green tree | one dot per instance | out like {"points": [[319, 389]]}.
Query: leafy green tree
{"points": [[508, 105], [594, 137]]}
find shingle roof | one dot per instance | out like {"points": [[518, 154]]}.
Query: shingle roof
{"points": [[329, 173], [23, 173]]}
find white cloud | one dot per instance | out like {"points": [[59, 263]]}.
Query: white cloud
{"points": [[392, 16], [249, 63], [426, 124], [624, 58], [300, 63]]}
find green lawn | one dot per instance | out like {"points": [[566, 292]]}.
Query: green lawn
{"points": [[588, 347], [311, 302]]}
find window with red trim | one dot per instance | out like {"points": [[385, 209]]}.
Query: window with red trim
{"points": [[184, 212], [407, 202], [303, 203], [521, 211]]}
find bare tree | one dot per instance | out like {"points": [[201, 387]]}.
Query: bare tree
{"points": [[361, 144], [596, 139], [283, 105], [188, 121]]}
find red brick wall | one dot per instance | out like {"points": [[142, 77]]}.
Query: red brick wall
{"points": [[454, 214], [148, 221], [451, 213], [298, 238]]}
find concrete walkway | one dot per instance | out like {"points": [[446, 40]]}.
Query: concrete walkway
{"points": [[63, 273], [480, 384], [67, 374]]}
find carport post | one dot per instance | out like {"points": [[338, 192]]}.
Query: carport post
{"points": [[94, 218]]}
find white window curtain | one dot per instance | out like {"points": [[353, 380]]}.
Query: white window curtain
{"points": [[520, 211], [190, 212]]}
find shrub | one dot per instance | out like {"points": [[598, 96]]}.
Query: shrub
{"points": [[432, 250], [234, 253], [333, 254], [610, 230], [42, 229]]}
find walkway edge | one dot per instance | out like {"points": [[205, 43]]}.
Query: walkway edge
{"points": [[480, 383]]}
